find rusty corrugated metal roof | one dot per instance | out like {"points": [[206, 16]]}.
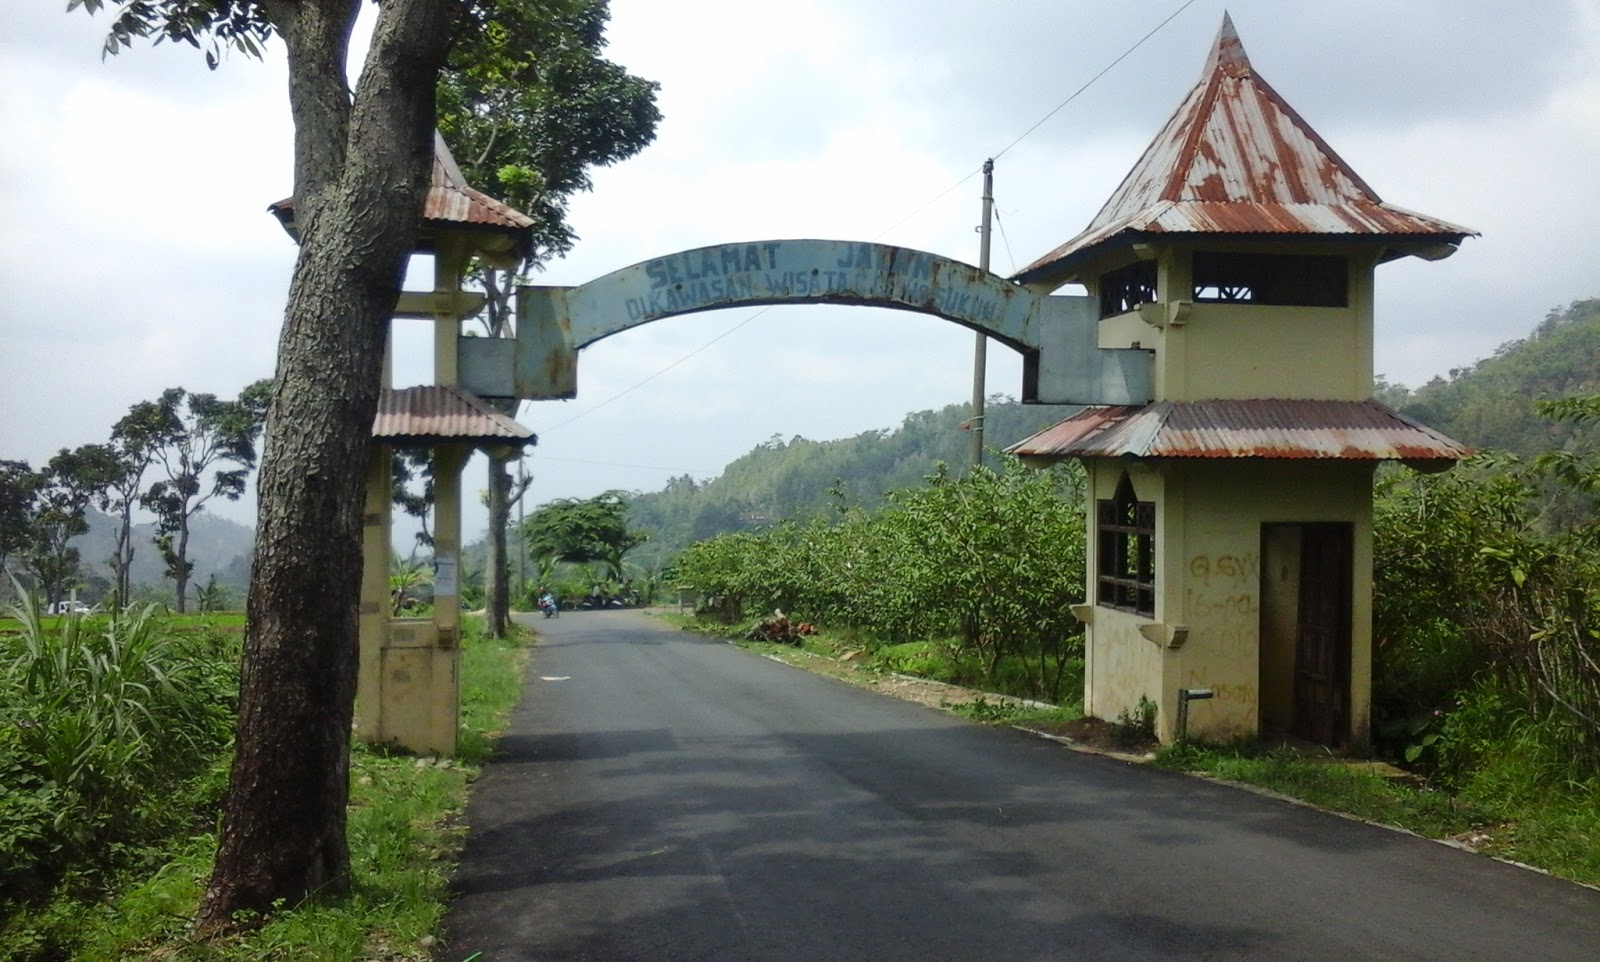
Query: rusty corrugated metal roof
{"points": [[1332, 430], [442, 413], [449, 201], [1235, 158]]}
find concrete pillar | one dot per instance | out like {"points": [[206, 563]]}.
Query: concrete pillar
{"points": [[445, 699], [449, 264], [374, 618]]}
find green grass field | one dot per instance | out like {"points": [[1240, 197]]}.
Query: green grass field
{"points": [[405, 827]]}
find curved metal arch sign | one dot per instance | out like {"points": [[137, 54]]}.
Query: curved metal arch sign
{"points": [[1056, 335]]}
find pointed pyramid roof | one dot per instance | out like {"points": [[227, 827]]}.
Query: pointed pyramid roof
{"points": [[450, 203], [1236, 159]]}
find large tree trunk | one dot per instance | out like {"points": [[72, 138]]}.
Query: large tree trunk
{"points": [[361, 169]]}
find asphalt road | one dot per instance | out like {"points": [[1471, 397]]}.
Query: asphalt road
{"points": [[661, 796]]}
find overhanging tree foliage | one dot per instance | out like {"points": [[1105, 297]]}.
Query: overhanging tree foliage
{"points": [[529, 105]]}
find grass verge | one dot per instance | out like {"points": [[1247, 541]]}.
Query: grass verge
{"points": [[404, 827], [1558, 831]]}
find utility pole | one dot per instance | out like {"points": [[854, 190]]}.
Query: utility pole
{"points": [[980, 350]]}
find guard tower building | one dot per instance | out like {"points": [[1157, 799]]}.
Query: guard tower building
{"points": [[1230, 519]]}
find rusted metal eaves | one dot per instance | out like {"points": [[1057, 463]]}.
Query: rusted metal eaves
{"points": [[1266, 429], [434, 414]]}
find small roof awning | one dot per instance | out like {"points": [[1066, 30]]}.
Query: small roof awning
{"points": [[432, 415], [1264, 429]]}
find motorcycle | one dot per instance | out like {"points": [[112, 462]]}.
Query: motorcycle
{"points": [[549, 607]]}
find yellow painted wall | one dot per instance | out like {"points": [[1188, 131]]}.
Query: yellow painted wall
{"points": [[1120, 666], [1242, 351], [1209, 517]]}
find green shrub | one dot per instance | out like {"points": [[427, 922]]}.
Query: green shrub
{"points": [[993, 560], [100, 719]]}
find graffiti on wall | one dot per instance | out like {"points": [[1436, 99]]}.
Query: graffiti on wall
{"points": [[1223, 599]]}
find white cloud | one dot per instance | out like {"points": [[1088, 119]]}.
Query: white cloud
{"points": [[138, 255]]}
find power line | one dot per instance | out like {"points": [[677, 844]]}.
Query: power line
{"points": [[1090, 82], [618, 464], [1005, 240], [935, 199], [588, 411], [931, 201]]}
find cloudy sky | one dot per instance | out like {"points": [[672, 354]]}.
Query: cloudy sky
{"points": [[138, 254]]}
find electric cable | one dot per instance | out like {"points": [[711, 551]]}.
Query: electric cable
{"points": [[1006, 241], [935, 199], [1090, 82]]}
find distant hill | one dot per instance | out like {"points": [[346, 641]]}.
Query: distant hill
{"points": [[1488, 406], [797, 478], [216, 546]]}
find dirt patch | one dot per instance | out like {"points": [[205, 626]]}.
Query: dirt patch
{"points": [[1098, 735]]}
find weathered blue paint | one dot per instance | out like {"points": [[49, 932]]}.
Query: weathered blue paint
{"points": [[1056, 335], [799, 272]]}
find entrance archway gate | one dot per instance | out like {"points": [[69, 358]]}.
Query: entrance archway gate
{"points": [[1057, 335], [409, 687]]}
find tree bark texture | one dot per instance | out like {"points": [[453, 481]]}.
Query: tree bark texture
{"points": [[361, 169]]}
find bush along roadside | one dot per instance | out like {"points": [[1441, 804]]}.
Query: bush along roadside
{"points": [[118, 847]]}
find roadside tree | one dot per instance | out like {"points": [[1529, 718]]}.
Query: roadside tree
{"points": [[584, 531], [203, 448], [135, 438], [362, 157], [18, 485], [69, 483], [529, 105]]}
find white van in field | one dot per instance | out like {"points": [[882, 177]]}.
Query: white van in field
{"points": [[69, 608]]}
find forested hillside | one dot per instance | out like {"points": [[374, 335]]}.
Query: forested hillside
{"points": [[799, 478], [1488, 405], [217, 547]]}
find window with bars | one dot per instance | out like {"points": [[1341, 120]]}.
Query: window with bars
{"points": [[1282, 279], [1124, 289], [1126, 568]]}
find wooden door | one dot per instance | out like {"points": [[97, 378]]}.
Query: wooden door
{"points": [[1322, 644]]}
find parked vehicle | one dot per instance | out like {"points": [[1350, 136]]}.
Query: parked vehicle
{"points": [[69, 608]]}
